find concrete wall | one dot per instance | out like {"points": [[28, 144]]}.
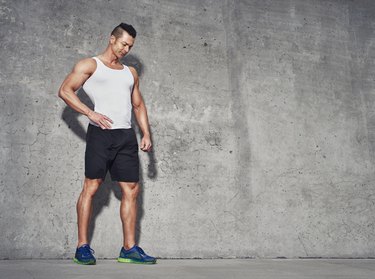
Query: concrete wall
{"points": [[262, 116]]}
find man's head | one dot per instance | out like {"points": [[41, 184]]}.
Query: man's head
{"points": [[122, 39], [119, 29]]}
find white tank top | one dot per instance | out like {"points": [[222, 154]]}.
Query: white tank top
{"points": [[110, 91]]}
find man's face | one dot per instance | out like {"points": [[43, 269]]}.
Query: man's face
{"points": [[122, 45]]}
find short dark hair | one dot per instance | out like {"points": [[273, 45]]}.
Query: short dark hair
{"points": [[119, 29]]}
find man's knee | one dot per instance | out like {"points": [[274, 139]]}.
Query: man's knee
{"points": [[129, 190], [90, 186]]}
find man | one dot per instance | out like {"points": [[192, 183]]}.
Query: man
{"points": [[111, 143]]}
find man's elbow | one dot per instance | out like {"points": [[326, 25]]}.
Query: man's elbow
{"points": [[62, 93], [137, 106]]}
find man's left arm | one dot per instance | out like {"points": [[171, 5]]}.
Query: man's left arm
{"points": [[140, 113]]}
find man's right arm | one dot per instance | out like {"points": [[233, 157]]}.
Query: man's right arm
{"points": [[80, 73]]}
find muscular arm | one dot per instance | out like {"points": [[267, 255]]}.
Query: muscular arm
{"points": [[80, 73], [140, 113]]}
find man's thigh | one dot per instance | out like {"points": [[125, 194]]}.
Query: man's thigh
{"points": [[96, 153], [125, 165]]}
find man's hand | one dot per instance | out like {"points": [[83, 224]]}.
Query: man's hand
{"points": [[146, 144], [100, 119]]}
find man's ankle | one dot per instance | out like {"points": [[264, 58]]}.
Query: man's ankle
{"points": [[128, 247], [81, 244]]}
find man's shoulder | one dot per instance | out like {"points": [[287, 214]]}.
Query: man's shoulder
{"points": [[86, 65], [133, 71]]}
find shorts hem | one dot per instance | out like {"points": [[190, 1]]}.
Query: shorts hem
{"points": [[91, 177], [124, 180]]}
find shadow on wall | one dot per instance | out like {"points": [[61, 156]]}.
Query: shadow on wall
{"points": [[102, 196]]}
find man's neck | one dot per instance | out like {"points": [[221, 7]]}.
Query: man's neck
{"points": [[109, 57]]}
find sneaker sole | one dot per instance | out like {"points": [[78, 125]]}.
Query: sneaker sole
{"points": [[122, 260], [84, 263]]}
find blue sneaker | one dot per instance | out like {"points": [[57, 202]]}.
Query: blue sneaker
{"points": [[135, 255], [84, 255]]}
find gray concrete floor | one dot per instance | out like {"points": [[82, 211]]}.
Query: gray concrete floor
{"points": [[233, 268]]}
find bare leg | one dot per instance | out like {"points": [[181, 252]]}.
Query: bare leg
{"points": [[128, 211], [84, 208]]}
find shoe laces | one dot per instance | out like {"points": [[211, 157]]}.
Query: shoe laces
{"points": [[87, 250], [140, 250]]}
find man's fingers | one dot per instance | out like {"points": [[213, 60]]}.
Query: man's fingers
{"points": [[108, 119], [146, 146], [102, 120], [105, 123]]}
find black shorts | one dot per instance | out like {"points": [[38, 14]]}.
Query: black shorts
{"points": [[115, 150]]}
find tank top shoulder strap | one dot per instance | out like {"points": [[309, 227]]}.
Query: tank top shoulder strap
{"points": [[99, 64], [96, 59]]}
